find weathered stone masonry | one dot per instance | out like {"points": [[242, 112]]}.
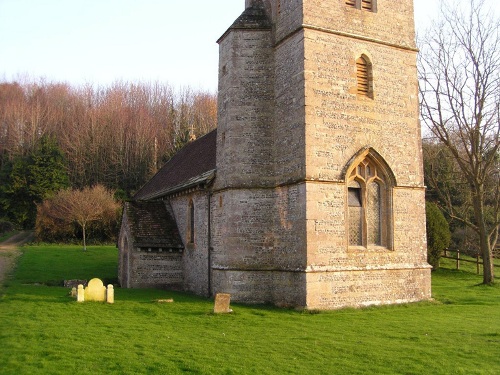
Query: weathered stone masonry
{"points": [[314, 196]]}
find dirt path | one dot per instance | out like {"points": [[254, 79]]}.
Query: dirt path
{"points": [[9, 251]]}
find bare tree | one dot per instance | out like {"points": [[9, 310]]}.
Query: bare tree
{"points": [[83, 207], [117, 135], [459, 73]]}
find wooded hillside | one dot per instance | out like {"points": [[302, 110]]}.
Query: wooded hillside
{"points": [[117, 136]]}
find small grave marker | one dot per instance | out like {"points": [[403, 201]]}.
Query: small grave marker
{"points": [[80, 295], [110, 294], [95, 291], [221, 305]]}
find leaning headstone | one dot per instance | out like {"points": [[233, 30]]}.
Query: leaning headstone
{"points": [[95, 291], [221, 305], [110, 294], [73, 292], [80, 294]]}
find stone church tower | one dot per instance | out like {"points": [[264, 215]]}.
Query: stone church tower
{"points": [[318, 199]]}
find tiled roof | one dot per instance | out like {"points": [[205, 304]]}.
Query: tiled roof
{"points": [[151, 225], [193, 164]]}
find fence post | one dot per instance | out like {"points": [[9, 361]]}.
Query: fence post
{"points": [[477, 262], [458, 259]]}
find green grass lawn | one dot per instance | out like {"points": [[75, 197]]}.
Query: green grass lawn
{"points": [[44, 331]]}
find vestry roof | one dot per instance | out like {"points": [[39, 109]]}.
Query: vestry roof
{"points": [[151, 225], [193, 164]]}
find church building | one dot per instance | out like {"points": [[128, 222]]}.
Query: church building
{"points": [[310, 192]]}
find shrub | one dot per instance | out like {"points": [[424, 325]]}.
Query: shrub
{"points": [[5, 226], [438, 234]]}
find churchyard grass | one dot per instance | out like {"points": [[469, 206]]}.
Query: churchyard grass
{"points": [[44, 331]]}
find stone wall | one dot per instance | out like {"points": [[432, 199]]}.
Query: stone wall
{"points": [[392, 22], [195, 256], [259, 244], [291, 127], [245, 109], [339, 122], [332, 290], [282, 236], [147, 267], [154, 268], [289, 130]]}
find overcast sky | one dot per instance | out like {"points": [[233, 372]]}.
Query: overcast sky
{"points": [[101, 41]]}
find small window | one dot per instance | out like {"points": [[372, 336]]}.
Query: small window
{"points": [[368, 5], [191, 222], [354, 196], [364, 77]]}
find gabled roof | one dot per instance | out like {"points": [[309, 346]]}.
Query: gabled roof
{"points": [[151, 225], [192, 165]]}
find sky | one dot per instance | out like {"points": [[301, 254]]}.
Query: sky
{"points": [[103, 41]]}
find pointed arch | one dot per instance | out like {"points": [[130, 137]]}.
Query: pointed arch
{"points": [[369, 184], [378, 159]]}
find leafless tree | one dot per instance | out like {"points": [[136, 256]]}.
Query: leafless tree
{"points": [[459, 73], [117, 135], [82, 207]]}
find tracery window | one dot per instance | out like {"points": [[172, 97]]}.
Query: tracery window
{"points": [[364, 76], [368, 205]]}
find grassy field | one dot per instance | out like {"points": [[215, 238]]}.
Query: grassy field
{"points": [[44, 331]]}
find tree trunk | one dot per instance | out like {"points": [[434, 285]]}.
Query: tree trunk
{"points": [[84, 238], [484, 243], [488, 271]]}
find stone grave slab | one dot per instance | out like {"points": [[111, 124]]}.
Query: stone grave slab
{"points": [[222, 301]]}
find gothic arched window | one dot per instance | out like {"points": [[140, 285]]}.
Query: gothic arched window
{"points": [[368, 205], [364, 76]]}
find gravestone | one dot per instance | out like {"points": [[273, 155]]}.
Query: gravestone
{"points": [[80, 296], [221, 305], [110, 294], [95, 291]]}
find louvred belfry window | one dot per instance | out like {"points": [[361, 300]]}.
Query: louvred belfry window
{"points": [[367, 5], [362, 76]]}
